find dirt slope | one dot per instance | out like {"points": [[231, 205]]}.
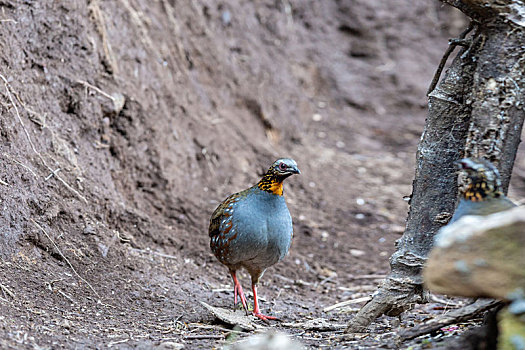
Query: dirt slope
{"points": [[124, 123]]}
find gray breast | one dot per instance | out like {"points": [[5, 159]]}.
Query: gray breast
{"points": [[264, 227], [486, 207]]}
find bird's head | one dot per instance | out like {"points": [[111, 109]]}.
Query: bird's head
{"points": [[483, 179], [284, 167], [272, 181]]}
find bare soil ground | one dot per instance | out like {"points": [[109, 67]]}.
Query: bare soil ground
{"points": [[124, 123]]}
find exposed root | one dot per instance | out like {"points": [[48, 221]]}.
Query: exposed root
{"points": [[392, 298], [460, 315]]}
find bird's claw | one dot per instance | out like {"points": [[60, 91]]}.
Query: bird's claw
{"points": [[264, 317]]}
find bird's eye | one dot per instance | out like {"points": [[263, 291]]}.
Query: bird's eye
{"points": [[282, 166]]}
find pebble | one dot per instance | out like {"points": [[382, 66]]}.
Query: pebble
{"points": [[171, 346], [356, 252], [226, 18]]}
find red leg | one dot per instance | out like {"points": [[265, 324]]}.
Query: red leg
{"points": [[237, 289], [256, 311]]}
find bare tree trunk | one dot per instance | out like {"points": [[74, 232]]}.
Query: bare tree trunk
{"points": [[476, 110]]}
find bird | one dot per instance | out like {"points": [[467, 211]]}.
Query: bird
{"points": [[252, 229], [483, 194]]}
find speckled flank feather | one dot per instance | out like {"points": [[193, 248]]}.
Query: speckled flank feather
{"points": [[221, 226]]}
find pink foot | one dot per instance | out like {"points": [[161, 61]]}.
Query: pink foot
{"points": [[264, 317], [237, 290], [256, 312]]}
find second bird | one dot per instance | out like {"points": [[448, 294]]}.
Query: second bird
{"points": [[252, 229], [483, 195]]}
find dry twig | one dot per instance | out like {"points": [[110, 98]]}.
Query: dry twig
{"points": [[64, 257], [118, 342], [149, 251], [6, 290], [66, 296], [345, 303], [21, 164], [204, 336], [53, 173], [439, 300], [93, 87], [205, 326]]}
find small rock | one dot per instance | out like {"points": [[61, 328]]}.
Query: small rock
{"points": [[169, 345], [488, 248], [89, 230], [226, 17], [356, 252], [118, 102], [270, 340], [103, 249]]}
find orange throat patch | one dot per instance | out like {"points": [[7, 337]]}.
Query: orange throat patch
{"points": [[271, 184]]}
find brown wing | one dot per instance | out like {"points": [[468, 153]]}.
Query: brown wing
{"points": [[218, 215]]}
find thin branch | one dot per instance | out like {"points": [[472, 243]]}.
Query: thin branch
{"points": [[21, 164], [345, 303], [93, 87], [204, 336], [6, 290], [451, 46], [149, 251], [459, 315], [116, 342]]}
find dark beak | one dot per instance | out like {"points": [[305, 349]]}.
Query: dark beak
{"points": [[294, 170], [461, 164]]}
